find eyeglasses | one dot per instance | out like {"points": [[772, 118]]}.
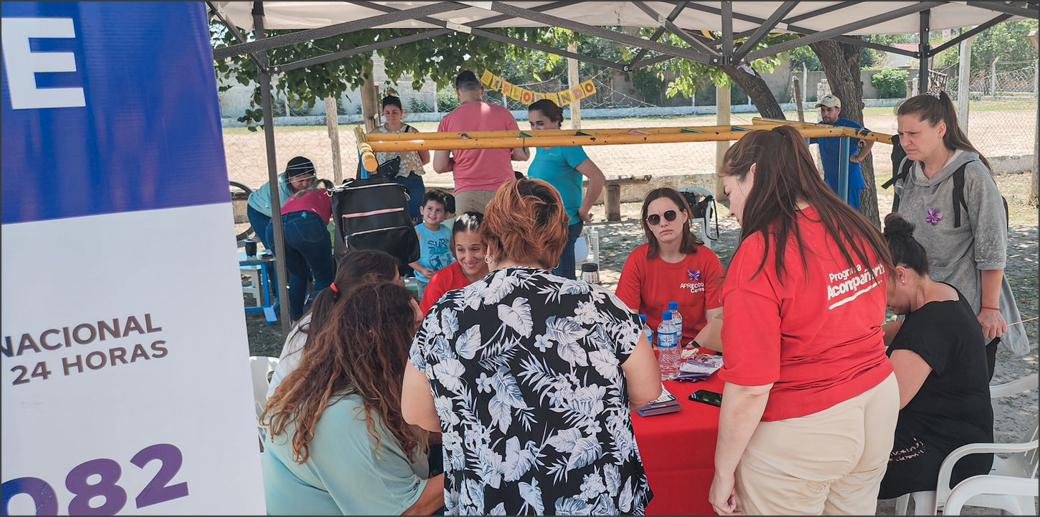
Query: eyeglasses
{"points": [[655, 219]]}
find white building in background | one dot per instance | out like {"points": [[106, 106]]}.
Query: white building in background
{"points": [[235, 101]]}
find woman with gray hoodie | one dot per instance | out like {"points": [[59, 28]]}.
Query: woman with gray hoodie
{"points": [[949, 193]]}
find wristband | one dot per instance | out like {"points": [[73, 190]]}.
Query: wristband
{"points": [[991, 308]]}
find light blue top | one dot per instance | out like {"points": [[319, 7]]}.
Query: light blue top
{"points": [[434, 249], [260, 199], [345, 474], [558, 166]]}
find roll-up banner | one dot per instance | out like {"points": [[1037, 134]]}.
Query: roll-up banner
{"points": [[126, 386]]}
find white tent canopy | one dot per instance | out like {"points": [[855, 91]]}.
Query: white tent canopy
{"points": [[309, 15]]}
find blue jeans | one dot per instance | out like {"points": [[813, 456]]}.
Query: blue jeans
{"points": [[565, 267], [259, 222], [416, 190], [308, 254]]}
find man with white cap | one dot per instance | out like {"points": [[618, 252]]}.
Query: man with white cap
{"points": [[830, 113]]}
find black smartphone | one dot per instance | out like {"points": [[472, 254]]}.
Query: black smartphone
{"points": [[707, 397]]}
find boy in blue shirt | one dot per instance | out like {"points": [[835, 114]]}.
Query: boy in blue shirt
{"points": [[434, 239], [830, 113]]}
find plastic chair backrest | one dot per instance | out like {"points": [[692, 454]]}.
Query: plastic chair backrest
{"points": [[261, 368]]}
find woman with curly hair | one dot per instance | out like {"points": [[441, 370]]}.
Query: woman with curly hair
{"points": [[530, 376], [336, 441]]}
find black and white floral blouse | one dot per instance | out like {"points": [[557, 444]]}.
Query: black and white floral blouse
{"points": [[526, 374]]}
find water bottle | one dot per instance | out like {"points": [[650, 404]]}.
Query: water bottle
{"points": [[673, 307], [668, 347], [649, 332]]}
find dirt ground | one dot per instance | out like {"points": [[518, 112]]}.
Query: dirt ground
{"points": [[1014, 416]]}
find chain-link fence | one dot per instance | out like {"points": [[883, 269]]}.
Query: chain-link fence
{"points": [[1003, 107]]}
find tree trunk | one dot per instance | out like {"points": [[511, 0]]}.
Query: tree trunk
{"points": [[841, 64], [756, 88]]}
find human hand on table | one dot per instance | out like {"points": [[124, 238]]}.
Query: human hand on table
{"points": [[723, 495]]}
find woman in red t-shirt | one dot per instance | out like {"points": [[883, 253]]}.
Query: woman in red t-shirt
{"points": [[674, 267], [469, 265], [810, 402]]}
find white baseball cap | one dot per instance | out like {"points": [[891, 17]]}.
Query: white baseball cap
{"points": [[829, 101]]}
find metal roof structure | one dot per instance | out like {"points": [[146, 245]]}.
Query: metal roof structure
{"points": [[740, 27]]}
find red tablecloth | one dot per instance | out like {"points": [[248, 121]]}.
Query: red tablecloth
{"points": [[678, 451]]}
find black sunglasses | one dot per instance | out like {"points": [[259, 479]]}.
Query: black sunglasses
{"points": [[654, 219]]}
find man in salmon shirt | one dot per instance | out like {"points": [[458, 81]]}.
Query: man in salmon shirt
{"points": [[478, 172]]}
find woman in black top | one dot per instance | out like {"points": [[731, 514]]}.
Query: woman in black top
{"points": [[939, 357]]}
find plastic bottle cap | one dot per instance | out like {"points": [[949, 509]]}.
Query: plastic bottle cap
{"points": [[673, 306], [666, 316], [589, 267]]}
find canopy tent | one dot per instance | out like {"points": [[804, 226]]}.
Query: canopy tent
{"points": [[690, 21]]}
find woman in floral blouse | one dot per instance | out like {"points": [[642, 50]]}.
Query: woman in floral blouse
{"points": [[530, 377]]}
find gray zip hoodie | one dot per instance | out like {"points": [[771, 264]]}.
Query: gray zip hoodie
{"points": [[958, 255]]}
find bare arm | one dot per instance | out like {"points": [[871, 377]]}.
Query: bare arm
{"points": [[993, 324], [590, 170], [417, 400], [643, 374], [442, 162], [431, 499], [864, 151], [911, 372], [710, 336], [742, 408], [424, 156]]}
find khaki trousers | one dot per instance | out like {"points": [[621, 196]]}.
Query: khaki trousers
{"points": [[472, 201], [827, 463]]}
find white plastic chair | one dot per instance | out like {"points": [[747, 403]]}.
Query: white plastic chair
{"points": [[1021, 462], [261, 367], [1012, 488]]}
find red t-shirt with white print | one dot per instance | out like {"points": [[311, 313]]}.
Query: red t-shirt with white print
{"points": [[648, 284], [817, 335]]}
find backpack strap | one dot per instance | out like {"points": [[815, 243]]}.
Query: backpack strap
{"points": [[904, 171], [958, 194]]}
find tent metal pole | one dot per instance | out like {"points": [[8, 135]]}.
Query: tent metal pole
{"points": [[821, 11], [923, 52], [763, 30], [329, 31], [272, 172], [967, 34], [727, 32], [635, 63], [590, 30], [1024, 9], [363, 49], [841, 30]]}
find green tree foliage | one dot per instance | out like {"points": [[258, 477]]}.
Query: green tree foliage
{"points": [[890, 83], [1008, 40], [440, 62]]}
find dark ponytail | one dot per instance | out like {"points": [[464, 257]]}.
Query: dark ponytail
{"points": [[905, 249], [936, 108]]}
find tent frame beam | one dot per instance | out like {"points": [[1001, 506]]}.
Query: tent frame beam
{"points": [[967, 34], [678, 9], [842, 29], [329, 31], [1027, 10], [548, 19], [763, 30]]}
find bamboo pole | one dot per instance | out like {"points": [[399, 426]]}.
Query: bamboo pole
{"points": [[379, 142]]}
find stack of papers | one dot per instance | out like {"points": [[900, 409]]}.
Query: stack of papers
{"points": [[664, 404], [699, 367]]}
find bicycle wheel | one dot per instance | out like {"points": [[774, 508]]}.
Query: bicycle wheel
{"points": [[239, 204]]}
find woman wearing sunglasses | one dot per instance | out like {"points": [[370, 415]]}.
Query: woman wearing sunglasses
{"points": [[673, 266]]}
